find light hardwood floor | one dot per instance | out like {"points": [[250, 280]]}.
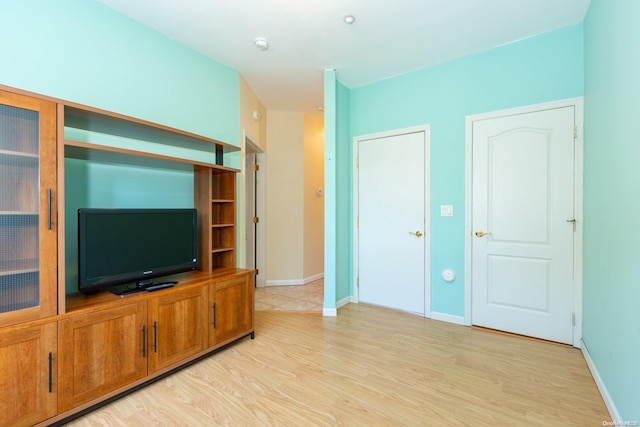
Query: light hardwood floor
{"points": [[369, 366]]}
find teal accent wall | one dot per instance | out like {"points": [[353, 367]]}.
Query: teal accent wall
{"points": [[338, 195], [344, 196], [330, 185], [84, 52], [611, 292], [543, 68]]}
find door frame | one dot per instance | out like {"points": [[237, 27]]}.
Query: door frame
{"points": [[578, 104], [248, 146], [427, 215]]}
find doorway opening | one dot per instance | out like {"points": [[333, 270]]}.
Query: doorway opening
{"points": [[253, 220]]}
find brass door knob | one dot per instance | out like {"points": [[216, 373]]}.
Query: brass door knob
{"points": [[416, 233], [481, 234]]}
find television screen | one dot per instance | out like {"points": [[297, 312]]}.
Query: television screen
{"points": [[117, 246]]}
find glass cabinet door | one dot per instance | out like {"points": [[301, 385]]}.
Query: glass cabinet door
{"points": [[27, 144]]}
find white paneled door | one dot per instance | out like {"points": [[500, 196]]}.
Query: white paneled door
{"points": [[392, 239], [523, 223]]}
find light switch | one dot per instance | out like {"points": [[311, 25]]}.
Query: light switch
{"points": [[446, 210]]}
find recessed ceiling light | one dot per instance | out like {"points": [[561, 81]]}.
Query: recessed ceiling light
{"points": [[349, 19], [261, 43]]}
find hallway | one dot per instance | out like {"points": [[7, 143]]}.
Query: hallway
{"points": [[309, 297]]}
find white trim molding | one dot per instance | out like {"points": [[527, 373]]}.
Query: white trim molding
{"points": [[295, 282], [449, 318], [329, 312], [608, 401], [344, 301]]}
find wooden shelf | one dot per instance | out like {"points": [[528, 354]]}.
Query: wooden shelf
{"points": [[19, 154], [105, 154], [216, 250], [18, 213], [21, 266], [108, 123]]}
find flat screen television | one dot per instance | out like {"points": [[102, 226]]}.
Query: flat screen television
{"points": [[133, 246]]}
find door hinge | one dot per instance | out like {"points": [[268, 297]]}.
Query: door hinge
{"points": [[256, 220], [358, 222], [573, 319], [358, 162], [575, 132], [358, 282], [256, 167]]}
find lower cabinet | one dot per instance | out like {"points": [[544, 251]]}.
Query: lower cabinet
{"points": [[232, 303], [28, 374], [100, 352], [106, 344], [177, 327]]}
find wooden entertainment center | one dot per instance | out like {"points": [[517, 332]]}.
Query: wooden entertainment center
{"points": [[63, 353]]}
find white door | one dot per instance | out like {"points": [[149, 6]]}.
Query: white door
{"points": [[522, 221], [392, 239]]}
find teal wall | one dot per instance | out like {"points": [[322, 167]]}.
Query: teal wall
{"points": [[611, 292], [338, 219], [344, 219], [539, 69], [330, 185], [84, 52]]}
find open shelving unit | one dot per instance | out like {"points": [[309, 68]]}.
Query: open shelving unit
{"points": [[101, 136]]}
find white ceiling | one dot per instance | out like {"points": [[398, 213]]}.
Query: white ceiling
{"points": [[389, 37]]}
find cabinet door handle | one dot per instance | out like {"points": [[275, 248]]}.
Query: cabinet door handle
{"points": [[214, 315], [49, 209], [50, 372], [155, 337], [144, 341]]}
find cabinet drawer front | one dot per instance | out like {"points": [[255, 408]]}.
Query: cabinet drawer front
{"points": [[101, 352]]}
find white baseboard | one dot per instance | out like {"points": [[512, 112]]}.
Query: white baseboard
{"points": [[443, 317], [344, 302], [295, 282], [330, 312], [611, 407]]}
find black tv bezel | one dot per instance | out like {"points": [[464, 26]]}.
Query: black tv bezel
{"points": [[138, 279]]}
